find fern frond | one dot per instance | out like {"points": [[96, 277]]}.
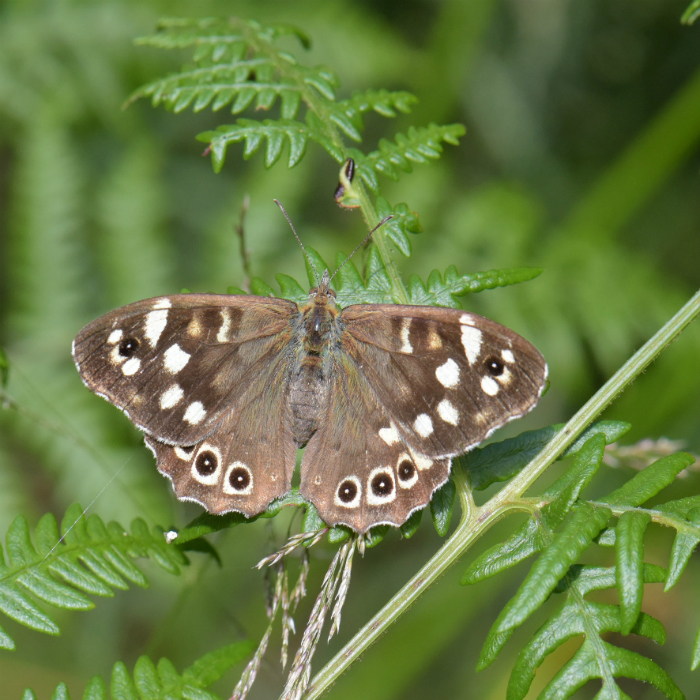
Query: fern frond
{"points": [[441, 290], [86, 557], [351, 288], [236, 62], [161, 681], [274, 132], [562, 527], [420, 145], [595, 658], [500, 461]]}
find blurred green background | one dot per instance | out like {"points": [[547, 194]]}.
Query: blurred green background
{"points": [[581, 157]]}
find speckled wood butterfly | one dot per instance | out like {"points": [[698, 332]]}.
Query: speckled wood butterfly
{"points": [[383, 396]]}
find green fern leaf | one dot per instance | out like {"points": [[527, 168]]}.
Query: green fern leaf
{"points": [[442, 506], [500, 461], [253, 133], [650, 481], [580, 528], [410, 527], [162, 681], [687, 538], [383, 102], [403, 222], [420, 145], [347, 114], [441, 291], [89, 558], [630, 566], [595, 658], [350, 287], [538, 532]]}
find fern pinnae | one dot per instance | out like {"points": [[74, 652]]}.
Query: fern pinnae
{"points": [[326, 120], [629, 567], [155, 681], [86, 557]]}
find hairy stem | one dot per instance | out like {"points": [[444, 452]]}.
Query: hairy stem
{"points": [[476, 520]]}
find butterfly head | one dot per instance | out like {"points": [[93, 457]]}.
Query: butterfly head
{"points": [[319, 315], [324, 288]]}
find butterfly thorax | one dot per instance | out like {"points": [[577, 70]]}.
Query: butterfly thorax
{"points": [[319, 331]]}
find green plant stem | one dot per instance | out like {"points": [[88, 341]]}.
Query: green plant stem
{"points": [[372, 219], [476, 520]]}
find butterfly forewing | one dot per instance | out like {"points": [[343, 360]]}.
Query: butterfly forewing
{"points": [[447, 378], [175, 365]]}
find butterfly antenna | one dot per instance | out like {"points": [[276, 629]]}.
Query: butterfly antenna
{"points": [[296, 235], [366, 238]]}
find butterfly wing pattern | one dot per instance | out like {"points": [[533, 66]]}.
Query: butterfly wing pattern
{"points": [[383, 396], [200, 374], [433, 383]]}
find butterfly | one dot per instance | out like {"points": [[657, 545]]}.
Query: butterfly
{"points": [[382, 396]]}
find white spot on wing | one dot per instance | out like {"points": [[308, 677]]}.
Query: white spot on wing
{"points": [[448, 374], [116, 358], [421, 461], [507, 355], [183, 454], [405, 335], [423, 425], [390, 435], [175, 358], [115, 336], [448, 412], [195, 413], [155, 325], [172, 396], [163, 304], [471, 340], [222, 335], [489, 385], [131, 366], [466, 319]]}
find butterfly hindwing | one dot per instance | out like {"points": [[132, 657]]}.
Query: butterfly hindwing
{"points": [[175, 365], [356, 469], [247, 461]]}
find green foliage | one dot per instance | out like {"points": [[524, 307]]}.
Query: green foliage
{"points": [[237, 61], [500, 461], [59, 568], [161, 681], [4, 368], [562, 526], [103, 211], [692, 12]]}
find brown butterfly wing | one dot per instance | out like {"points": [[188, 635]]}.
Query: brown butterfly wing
{"points": [[411, 388], [176, 365]]}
